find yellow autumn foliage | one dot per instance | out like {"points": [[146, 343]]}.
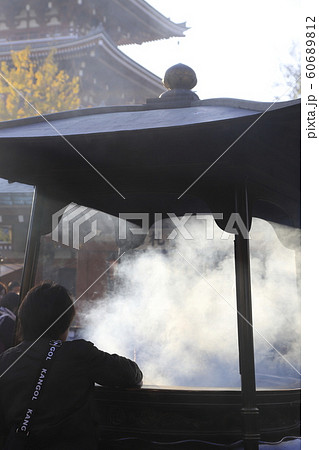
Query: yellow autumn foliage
{"points": [[28, 89]]}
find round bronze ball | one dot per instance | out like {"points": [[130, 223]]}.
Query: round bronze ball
{"points": [[180, 76]]}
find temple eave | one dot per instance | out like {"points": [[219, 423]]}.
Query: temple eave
{"points": [[125, 22], [82, 47]]}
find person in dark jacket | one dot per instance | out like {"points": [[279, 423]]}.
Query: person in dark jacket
{"points": [[14, 286], [8, 308], [63, 419]]}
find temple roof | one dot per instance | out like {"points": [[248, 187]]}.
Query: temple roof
{"points": [[144, 23], [126, 22], [109, 65], [15, 193], [67, 46], [14, 188]]}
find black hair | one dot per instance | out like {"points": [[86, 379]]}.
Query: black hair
{"points": [[10, 301], [47, 310]]}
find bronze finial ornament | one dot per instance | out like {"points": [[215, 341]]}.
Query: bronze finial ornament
{"points": [[180, 76], [179, 80]]}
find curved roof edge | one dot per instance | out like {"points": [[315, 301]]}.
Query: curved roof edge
{"points": [[246, 104], [226, 102]]}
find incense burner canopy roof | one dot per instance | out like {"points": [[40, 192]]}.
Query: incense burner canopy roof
{"points": [[161, 159]]}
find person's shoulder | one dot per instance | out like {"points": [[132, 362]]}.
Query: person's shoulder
{"points": [[14, 351], [10, 355], [79, 343], [5, 314], [79, 347]]}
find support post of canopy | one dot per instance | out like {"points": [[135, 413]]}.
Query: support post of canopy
{"points": [[249, 411], [43, 207], [32, 247]]}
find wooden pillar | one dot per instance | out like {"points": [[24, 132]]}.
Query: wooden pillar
{"points": [[249, 411]]}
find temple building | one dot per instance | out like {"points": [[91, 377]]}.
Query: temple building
{"points": [[86, 35], [15, 207]]}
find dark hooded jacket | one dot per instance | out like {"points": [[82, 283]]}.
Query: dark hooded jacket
{"points": [[63, 418]]}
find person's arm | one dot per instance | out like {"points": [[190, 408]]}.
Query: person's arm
{"points": [[112, 370]]}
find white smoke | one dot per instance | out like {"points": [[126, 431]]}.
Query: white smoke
{"points": [[175, 311], [276, 301]]}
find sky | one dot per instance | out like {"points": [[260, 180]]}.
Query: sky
{"points": [[235, 47]]}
